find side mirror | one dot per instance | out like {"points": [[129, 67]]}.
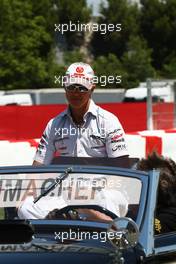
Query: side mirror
{"points": [[123, 232]]}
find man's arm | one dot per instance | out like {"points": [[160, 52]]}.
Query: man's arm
{"points": [[45, 150], [116, 145]]}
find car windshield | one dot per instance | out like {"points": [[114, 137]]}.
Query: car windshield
{"points": [[119, 195]]}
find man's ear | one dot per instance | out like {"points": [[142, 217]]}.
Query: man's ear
{"points": [[93, 87]]}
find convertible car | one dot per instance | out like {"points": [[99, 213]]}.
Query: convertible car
{"points": [[81, 211]]}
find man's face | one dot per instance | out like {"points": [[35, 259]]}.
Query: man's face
{"points": [[77, 95]]}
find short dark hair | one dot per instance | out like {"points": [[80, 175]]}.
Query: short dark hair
{"points": [[167, 182]]}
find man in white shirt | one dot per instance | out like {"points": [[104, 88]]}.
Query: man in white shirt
{"points": [[113, 200], [83, 129]]}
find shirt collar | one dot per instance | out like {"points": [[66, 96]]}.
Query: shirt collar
{"points": [[65, 112], [92, 109]]}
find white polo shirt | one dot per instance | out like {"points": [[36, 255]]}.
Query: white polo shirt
{"points": [[112, 200], [101, 135]]}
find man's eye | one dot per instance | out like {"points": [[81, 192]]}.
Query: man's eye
{"points": [[82, 89]]}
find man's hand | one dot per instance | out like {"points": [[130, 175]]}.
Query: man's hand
{"points": [[94, 215], [36, 163]]}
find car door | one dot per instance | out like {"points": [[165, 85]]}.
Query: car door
{"points": [[159, 248], [164, 248]]}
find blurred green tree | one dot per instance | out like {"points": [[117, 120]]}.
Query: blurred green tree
{"points": [[109, 72], [116, 12], [137, 62], [169, 68], [158, 27], [70, 12], [73, 56], [25, 43]]}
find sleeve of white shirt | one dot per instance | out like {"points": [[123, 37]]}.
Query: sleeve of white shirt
{"points": [[30, 210], [113, 200], [116, 145], [46, 149]]}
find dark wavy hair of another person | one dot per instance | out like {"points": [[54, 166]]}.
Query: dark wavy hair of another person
{"points": [[167, 181]]}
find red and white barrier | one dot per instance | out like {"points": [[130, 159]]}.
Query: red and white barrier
{"points": [[140, 144], [14, 153], [145, 142]]}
